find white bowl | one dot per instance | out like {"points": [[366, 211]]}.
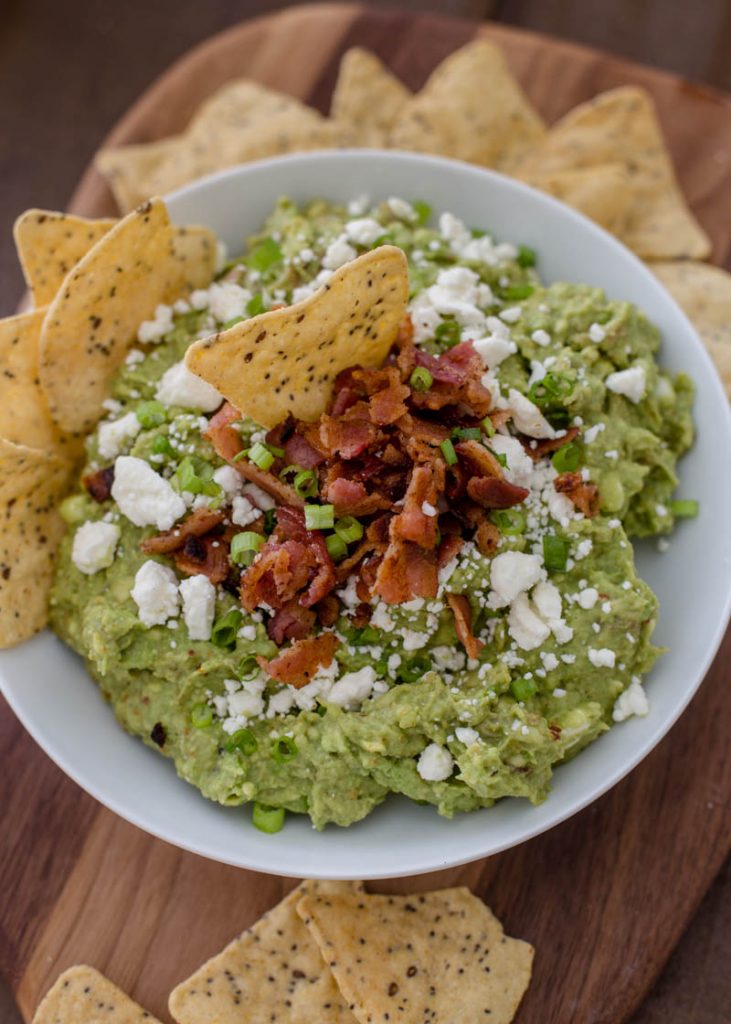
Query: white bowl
{"points": [[57, 702]]}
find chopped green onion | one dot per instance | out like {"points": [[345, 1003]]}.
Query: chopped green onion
{"points": [[243, 454], [279, 452], [510, 521], [413, 669], [260, 455], [151, 414], [161, 446], [232, 322], [522, 689], [267, 819], [284, 749], [187, 477], [225, 629], [566, 459], [550, 389], [421, 379], [201, 716], [248, 667], [478, 232], [555, 552], [244, 547], [265, 255], [516, 292], [305, 483], [684, 509], [502, 459], [467, 433], [319, 517], [526, 256], [243, 740], [255, 305], [450, 455], [488, 426], [363, 637], [270, 520], [336, 547], [349, 529], [422, 210], [449, 332]]}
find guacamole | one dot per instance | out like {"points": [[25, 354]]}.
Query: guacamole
{"points": [[562, 623]]}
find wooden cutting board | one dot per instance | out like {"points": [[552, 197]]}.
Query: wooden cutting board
{"points": [[605, 896]]}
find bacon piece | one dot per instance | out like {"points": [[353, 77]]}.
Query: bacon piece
{"points": [[537, 449], [490, 492], [487, 538], [292, 622], [479, 459], [206, 556], [416, 427], [198, 523], [463, 624], [99, 484], [413, 523], [328, 610], [406, 571], [281, 491], [351, 498], [585, 496], [299, 452], [298, 664], [350, 435], [457, 379], [389, 405], [279, 435], [226, 441], [362, 615], [405, 334], [451, 545]]}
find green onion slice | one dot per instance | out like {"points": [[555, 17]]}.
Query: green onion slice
{"points": [[267, 819], [242, 740], [225, 629], [510, 521], [450, 455], [244, 547], [684, 508], [421, 379], [284, 749], [555, 552], [566, 459], [201, 716], [412, 670], [255, 305], [449, 332], [261, 456], [151, 414], [319, 517], [336, 547], [349, 529], [526, 256]]}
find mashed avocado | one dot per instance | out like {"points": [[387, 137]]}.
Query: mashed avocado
{"points": [[565, 621]]}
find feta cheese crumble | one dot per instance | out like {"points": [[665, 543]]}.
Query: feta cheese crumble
{"points": [[435, 763], [94, 546], [199, 606], [112, 437], [631, 383], [155, 592], [178, 386], [144, 497]]}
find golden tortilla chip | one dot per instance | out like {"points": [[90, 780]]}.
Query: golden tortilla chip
{"points": [[31, 483], [50, 244], [273, 972], [471, 108], [367, 99], [621, 126], [243, 121], [93, 321], [704, 294], [603, 193], [128, 170], [24, 415], [436, 957], [82, 995], [285, 361]]}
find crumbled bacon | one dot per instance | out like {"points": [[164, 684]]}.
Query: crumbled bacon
{"points": [[207, 556], [294, 563], [198, 523], [539, 449], [418, 520], [99, 484], [291, 622], [490, 492], [296, 665], [487, 538], [299, 452], [349, 435], [463, 624], [585, 496]]}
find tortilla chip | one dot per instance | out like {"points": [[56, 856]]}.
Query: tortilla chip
{"points": [[50, 244], [621, 125], [704, 294], [603, 193], [93, 321], [31, 483], [285, 361], [367, 99], [128, 170], [243, 121], [419, 958], [24, 415], [82, 995], [471, 108], [273, 972]]}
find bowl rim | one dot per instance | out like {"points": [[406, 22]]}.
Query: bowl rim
{"points": [[286, 866]]}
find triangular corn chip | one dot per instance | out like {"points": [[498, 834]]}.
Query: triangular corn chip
{"points": [[285, 361], [82, 995], [471, 108], [367, 99], [603, 193]]}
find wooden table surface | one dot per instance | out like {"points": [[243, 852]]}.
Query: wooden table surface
{"points": [[64, 105]]}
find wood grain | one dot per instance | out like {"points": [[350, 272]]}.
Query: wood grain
{"points": [[605, 896]]}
